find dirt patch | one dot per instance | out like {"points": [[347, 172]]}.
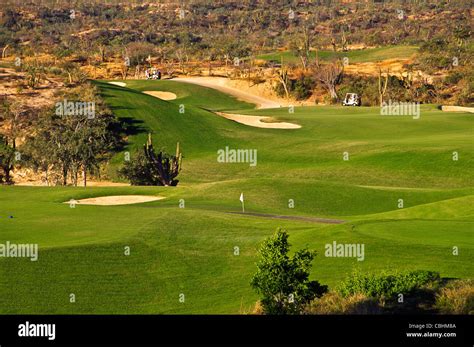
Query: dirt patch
{"points": [[120, 84], [161, 95], [115, 200], [258, 121]]}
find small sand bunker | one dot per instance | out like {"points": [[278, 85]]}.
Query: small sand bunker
{"points": [[120, 84], [161, 95], [115, 200], [258, 121]]}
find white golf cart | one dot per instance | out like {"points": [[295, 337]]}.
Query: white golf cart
{"points": [[351, 99]]}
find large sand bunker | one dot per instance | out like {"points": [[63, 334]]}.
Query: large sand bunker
{"points": [[258, 121], [221, 84], [120, 84], [115, 200], [161, 95]]}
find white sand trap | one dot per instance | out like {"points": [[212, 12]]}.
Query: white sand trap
{"points": [[120, 84], [116, 200], [258, 121], [161, 95], [457, 109], [220, 83]]}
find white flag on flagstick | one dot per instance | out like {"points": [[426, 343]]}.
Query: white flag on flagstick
{"points": [[242, 201]]}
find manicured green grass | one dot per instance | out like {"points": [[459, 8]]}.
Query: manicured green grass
{"points": [[354, 56], [191, 250]]}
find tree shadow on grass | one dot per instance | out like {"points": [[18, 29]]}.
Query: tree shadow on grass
{"points": [[132, 126]]}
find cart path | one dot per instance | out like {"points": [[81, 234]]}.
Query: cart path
{"points": [[298, 218]]}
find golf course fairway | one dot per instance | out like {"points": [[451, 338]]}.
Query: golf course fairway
{"points": [[393, 181]]}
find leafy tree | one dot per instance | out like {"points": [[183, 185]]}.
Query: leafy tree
{"points": [[77, 141], [283, 281]]}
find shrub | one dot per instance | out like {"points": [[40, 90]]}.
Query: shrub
{"points": [[150, 168], [335, 303], [386, 285], [302, 88], [456, 298], [453, 78], [283, 281]]}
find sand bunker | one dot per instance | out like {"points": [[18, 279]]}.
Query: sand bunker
{"points": [[161, 95], [457, 109], [115, 200], [258, 121], [120, 84], [221, 84]]}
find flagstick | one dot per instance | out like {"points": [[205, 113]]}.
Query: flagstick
{"points": [[243, 207]]}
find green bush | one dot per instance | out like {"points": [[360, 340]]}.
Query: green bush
{"points": [[283, 280], [453, 78], [386, 285], [302, 88]]}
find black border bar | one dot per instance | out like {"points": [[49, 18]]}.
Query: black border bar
{"points": [[312, 330]]}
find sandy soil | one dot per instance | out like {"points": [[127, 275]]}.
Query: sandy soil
{"points": [[30, 99], [223, 84], [41, 183], [161, 95], [120, 84], [116, 200], [258, 121]]}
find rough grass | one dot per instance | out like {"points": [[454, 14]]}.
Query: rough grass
{"points": [[456, 298]]}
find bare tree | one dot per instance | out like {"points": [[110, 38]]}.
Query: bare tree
{"points": [[330, 75], [302, 46], [283, 78], [343, 41], [4, 51], [382, 86], [169, 67]]}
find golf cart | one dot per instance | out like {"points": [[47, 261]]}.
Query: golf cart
{"points": [[153, 74], [351, 99]]}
